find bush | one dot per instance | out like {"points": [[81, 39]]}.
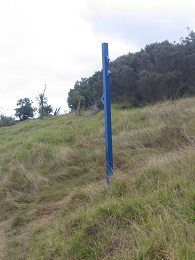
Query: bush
{"points": [[6, 120]]}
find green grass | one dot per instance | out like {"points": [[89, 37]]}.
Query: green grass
{"points": [[52, 185]]}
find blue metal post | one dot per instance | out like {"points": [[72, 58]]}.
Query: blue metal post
{"points": [[107, 112]]}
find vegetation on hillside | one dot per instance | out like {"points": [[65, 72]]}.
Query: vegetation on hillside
{"points": [[158, 72], [44, 109], [54, 200], [24, 109], [6, 120]]}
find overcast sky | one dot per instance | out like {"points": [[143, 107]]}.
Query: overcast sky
{"points": [[56, 42]]}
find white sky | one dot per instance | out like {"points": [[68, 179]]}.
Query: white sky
{"points": [[59, 41]]}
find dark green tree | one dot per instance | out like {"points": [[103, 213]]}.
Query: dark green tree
{"points": [[47, 110], [83, 94], [159, 71], [24, 109]]}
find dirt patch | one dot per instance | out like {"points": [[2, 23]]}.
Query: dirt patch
{"points": [[49, 208]]}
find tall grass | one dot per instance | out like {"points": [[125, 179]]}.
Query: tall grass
{"points": [[53, 171]]}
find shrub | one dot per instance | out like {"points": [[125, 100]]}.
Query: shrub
{"points": [[6, 120]]}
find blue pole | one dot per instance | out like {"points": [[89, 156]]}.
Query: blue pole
{"points": [[107, 112]]}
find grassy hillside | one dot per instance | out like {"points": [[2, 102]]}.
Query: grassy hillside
{"points": [[55, 204]]}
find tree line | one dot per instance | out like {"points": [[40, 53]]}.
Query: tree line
{"points": [[25, 110], [158, 72]]}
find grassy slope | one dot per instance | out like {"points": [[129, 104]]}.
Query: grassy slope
{"points": [[54, 197]]}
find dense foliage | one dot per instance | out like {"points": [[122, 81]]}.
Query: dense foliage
{"points": [[24, 109], [158, 72], [83, 94]]}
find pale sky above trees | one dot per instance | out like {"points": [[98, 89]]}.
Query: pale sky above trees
{"points": [[57, 42]]}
